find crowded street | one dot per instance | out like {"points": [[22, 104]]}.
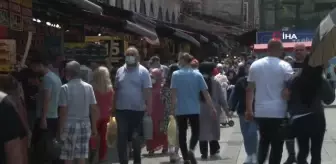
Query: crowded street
{"points": [[232, 148], [167, 82]]}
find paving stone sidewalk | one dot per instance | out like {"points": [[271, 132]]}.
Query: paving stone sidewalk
{"points": [[232, 148], [329, 145]]}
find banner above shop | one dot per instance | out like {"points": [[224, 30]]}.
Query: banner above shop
{"points": [[285, 36]]}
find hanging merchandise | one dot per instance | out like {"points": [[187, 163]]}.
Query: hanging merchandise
{"points": [[4, 13], [7, 55], [27, 15], [15, 17]]}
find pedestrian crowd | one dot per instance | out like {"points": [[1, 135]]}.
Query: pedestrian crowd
{"points": [[277, 99]]}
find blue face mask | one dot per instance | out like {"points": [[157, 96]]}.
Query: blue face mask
{"points": [[130, 60]]}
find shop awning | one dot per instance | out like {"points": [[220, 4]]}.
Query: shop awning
{"points": [[287, 46], [166, 31], [132, 17], [87, 5], [247, 38], [77, 15]]}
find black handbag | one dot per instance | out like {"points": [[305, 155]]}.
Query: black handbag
{"points": [[285, 129], [47, 147]]}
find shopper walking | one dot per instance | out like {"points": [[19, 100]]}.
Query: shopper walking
{"points": [[209, 127], [159, 140], [133, 97], [248, 127], [167, 102], [78, 116], [308, 89], [104, 94], [186, 84], [10, 137], [266, 80], [46, 102]]}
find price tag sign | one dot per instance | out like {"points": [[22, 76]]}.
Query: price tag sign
{"points": [[117, 50], [15, 21], [4, 17]]}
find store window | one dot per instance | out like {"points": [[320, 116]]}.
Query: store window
{"points": [[160, 14], [173, 18], [119, 3], [151, 12], [143, 7], [167, 16], [135, 6]]}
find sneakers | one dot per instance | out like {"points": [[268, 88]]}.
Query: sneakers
{"points": [[204, 157], [191, 157], [251, 159], [215, 156], [248, 159], [254, 159], [290, 160], [174, 158]]}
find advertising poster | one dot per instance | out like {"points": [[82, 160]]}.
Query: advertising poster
{"points": [[7, 55]]}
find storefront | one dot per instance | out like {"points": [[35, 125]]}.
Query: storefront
{"points": [[285, 36], [289, 39]]}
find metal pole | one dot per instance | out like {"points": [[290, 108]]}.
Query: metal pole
{"points": [[297, 13], [261, 14]]}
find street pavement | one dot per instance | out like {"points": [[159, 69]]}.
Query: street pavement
{"points": [[232, 148]]}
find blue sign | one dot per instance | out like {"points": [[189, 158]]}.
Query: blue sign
{"points": [[285, 36]]}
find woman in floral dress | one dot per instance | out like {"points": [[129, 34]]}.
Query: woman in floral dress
{"points": [[159, 137], [166, 99]]}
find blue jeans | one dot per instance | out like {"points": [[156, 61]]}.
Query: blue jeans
{"points": [[129, 129], [250, 135]]}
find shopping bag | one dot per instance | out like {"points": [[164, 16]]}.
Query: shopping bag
{"points": [[147, 127], [111, 134], [172, 131]]}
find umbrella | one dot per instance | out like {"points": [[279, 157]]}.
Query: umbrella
{"points": [[324, 42]]}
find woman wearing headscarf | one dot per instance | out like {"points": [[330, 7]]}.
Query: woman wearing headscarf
{"points": [[308, 89], [167, 102], [231, 75], [209, 127], [159, 137]]}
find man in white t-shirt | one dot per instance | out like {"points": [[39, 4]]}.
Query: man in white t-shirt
{"points": [[266, 81]]}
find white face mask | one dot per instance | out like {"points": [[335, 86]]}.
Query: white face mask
{"points": [[153, 81], [130, 59], [205, 75]]}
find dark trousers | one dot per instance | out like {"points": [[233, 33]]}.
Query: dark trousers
{"points": [[182, 122], [290, 145], [269, 136], [310, 130], [52, 128], [214, 147], [129, 128]]}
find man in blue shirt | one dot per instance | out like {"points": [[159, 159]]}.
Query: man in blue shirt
{"points": [[186, 85], [133, 88], [47, 99]]}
